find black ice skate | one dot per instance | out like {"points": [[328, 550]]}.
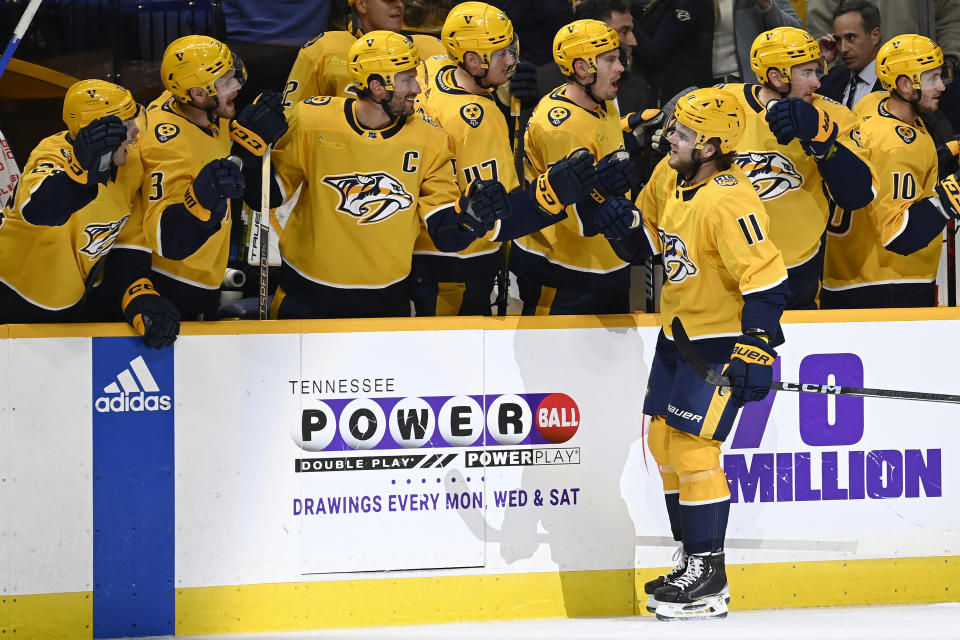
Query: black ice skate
{"points": [[701, 592], [680, 557]]}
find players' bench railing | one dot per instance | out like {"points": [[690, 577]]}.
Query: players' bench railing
{"points": [[107, 36]]}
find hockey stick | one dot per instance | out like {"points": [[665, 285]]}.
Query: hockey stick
{"points": [[503, 273], [692, 357], [18, 33], [262, 221]]}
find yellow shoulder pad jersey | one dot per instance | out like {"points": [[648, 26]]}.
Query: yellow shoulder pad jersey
{"points": [[321, 66], [905, 160], [366, 193], [478, 137], [49, 266], [716, 248], [430, 68], [174, 150], [428, 45], [785, 177], [557, 127]]}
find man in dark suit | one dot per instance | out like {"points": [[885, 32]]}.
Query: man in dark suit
{"points": [[856, 40]]}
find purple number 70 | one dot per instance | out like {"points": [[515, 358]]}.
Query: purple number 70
{"points": [[816, 429]]}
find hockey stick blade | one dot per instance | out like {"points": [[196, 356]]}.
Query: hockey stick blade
{"points": [[692, 357]]}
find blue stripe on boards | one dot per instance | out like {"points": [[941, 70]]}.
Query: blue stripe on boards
{"points": [[133, 489]]}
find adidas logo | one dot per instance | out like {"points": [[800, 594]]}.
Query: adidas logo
{"points": [[130, 396]]}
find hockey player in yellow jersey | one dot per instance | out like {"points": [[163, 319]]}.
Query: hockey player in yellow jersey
{"points": [[726, 282], [887, 254], [321, 65], [75, 229], [188, 179], [483, 49], [566, 268], [371, 174], [797, 174]]}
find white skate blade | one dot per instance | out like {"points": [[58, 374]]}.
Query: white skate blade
{"points": [[653, 603], [704, 609]]}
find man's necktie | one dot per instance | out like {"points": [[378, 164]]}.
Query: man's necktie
{"points": [[852, 90]]}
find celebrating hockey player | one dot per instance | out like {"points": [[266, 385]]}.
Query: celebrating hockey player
{"points": [[371, 175], [566, 268], [483, 49], [887, 254], [188, 178], [77, 215], [321, 66], [724, 278], [796, 165]]}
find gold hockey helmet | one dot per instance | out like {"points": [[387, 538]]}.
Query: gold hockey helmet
{"points": [[477, 27], [198, 61], [907, 55], [381, 53], [88, 100], [712, 113], [781, 49], [583, 39]]}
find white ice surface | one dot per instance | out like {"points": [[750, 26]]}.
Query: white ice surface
{"points": [[873, 623]]}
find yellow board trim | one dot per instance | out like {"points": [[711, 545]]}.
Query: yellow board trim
{"points": [[455, 323], [405, 601], [409, 601], [438, 599], [47, 616], [833, 583]]}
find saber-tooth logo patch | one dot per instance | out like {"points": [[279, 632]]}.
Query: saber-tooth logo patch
{"points": [[370, 197], [771, 174], [677, 264], [101, 236]]}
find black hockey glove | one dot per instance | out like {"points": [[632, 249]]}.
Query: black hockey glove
{"points": [[93, 150], [260, 124], [614, 172], [150, 314], [641, 120], [617, 217], [218, 181], [523, 84], [750, 369], [482, 206], [793, 118], [566, 182], [948, 190], [947, 156]]}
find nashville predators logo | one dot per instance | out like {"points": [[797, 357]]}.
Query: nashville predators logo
{"points": [[371, 197], [166, 131], [907, 133], [726, 180], [772, 175], [318, 101], [472, 114], [557, 115], [100, 237], [677, 265]]}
